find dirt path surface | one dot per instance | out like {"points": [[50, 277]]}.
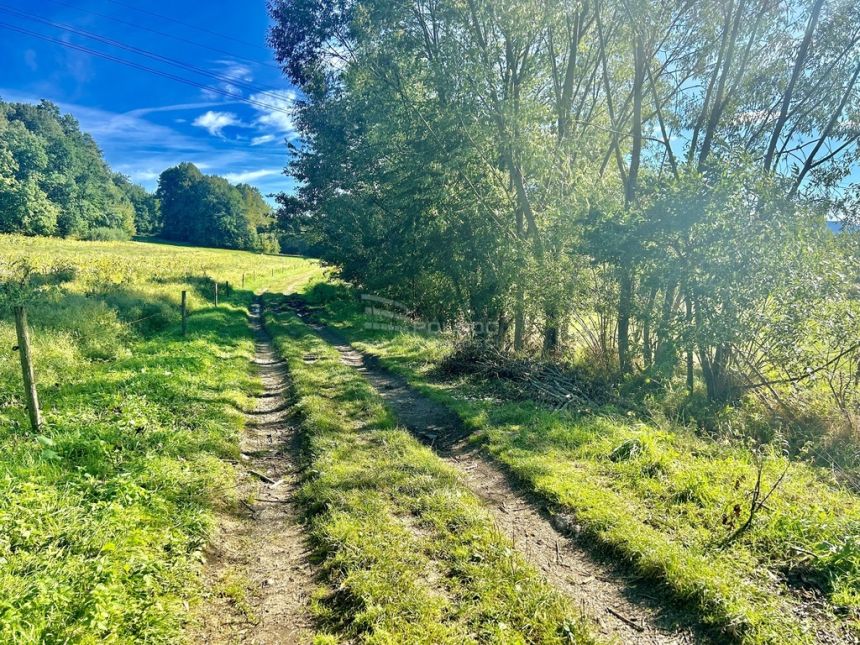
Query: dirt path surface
{"points": [[623, 608], [257, 568]]}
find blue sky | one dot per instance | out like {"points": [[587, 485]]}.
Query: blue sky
{"points": [[143, 122]]}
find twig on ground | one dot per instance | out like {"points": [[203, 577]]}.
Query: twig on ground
{"points": [[629, 621], [261, 476]]}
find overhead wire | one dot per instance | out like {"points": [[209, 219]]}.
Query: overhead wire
{"points": [[142, 52], [163, 34], [145, 68], [189, 25]]}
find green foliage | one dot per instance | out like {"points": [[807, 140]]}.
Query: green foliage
{"points": [[257, 211], [53, 179], [107, 234], [104, 515], [207, 211], [147, 214], [640, 185]]}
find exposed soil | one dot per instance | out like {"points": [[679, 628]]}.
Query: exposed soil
{"points": [[258, 575], [622, 606]]}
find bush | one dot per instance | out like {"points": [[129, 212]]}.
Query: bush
{"points": [[269, 243], [107, 234]]}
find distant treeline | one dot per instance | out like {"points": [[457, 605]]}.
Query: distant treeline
{"points": [[209, 211], [54, 181]]}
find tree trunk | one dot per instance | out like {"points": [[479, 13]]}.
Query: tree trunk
{"points": [[625, 305], [550, 333], [664, 356], [519, 319], [799, 63], [689, 321], [647, 353], [502, 331]]}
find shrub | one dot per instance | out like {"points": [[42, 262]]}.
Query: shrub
{"points": [[107, 234]]}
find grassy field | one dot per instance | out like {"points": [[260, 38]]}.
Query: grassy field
{"points": [[663, 497], [409, 555], [106, 511], [103, 515]]}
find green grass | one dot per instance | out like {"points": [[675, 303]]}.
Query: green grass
{"points": [[408, 554], [235, 586], [104, 514], [659, 506]]}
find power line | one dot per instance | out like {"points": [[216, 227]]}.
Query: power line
{"points": [[143, 52], [180, 39], [161, 16], [151, 70]]}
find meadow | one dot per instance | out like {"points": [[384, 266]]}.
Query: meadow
{"points": [[105, 512]]}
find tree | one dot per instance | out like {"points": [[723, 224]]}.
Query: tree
{"points": [[207, 211], [178, 193], [649, 170], [147, 211], [53, 179]]}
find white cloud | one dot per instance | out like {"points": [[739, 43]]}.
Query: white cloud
{"points": [[275, 109], [266, 138], [140, 175], [78, 65], [236, 71], [175, 108], [251, 175], [230, 71], [215, 122]]}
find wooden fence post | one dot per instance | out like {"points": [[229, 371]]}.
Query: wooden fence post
{"points": [[216, 293], [27, 368], [243, 280], [184, 312]]}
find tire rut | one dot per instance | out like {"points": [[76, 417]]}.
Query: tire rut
{"points": [[261, 546], [623, 606]]}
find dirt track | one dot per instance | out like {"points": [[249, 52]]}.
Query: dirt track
{"points": [[622, 607], [261, 546]]}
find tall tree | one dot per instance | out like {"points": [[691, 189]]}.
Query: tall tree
{"points": [[53, 179], [208, 211]]}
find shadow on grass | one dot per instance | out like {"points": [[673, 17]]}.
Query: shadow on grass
{"points": [[163, 395]]}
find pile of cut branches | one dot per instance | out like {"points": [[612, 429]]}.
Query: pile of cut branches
{"points": [[551, 383]]}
